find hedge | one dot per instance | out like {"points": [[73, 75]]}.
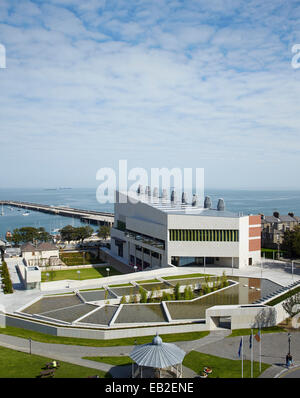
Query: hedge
{"points": [[6, 281]]}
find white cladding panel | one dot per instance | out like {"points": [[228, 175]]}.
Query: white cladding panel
{"points": [[244, 241], [146, 227], [203, 249], [178, 221]]}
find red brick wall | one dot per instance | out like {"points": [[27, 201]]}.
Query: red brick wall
{"points": [[254, 220], [256, 231], [254, 244]]}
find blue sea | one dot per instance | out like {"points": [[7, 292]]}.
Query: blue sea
{"points": [[248, 202]]}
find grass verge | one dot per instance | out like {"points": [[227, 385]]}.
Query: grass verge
{"points": [[221, 367], [184, 276], [116, 361], [246, 332], [17, 364], [85, 273], [46, 338]]}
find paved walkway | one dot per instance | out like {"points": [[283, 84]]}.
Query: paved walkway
{"points": [[274, 348]]}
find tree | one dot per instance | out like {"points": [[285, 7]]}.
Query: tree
{"points": [[177, 291], [291, 242], [292, 305], [67, 233], [143, 295], [104, 232], [43, 235], [29, 234], [82, 233]]}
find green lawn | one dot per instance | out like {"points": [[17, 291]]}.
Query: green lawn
{"points": [[46, 338], [85, 273], [79, 258], [221, 367], [15, 364], [185, 276], [246, 332], [121, 285], [116, 361]]}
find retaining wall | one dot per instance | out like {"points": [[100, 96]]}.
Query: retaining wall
{"points": [[101, 333]]}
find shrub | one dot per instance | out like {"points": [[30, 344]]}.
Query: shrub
{"points": [[177, 291], [7, 283], [143, 295]]}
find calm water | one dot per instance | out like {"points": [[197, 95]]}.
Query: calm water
{"points": [[248, 202]]}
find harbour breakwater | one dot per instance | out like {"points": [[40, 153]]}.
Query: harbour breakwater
{"points": [[87, 216]]}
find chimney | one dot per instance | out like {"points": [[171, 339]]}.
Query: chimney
{"points": [[173, 197], [184, 198], [140, 189], [221, 205], [207, 202], [195, 200]]}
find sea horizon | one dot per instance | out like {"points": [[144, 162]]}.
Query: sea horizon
{"points": [[244, 201]]}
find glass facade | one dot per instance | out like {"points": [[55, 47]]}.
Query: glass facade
{"points": [[204, 235]]}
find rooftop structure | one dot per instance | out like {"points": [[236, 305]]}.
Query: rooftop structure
{"points": [[151, 231]]}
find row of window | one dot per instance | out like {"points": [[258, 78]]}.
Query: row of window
{"points": [[204, 235]]}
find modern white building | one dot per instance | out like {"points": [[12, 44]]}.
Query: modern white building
{"points": [[156, 231]]}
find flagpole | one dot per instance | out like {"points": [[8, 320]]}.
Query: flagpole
{"points": [[242, 358], [260, 350], [252, 353]]}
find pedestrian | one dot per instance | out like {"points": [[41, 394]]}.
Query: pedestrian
{"points": [[289, 360]]}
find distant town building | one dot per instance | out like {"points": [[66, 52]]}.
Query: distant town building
{"points": [[155, 232], [43, 254], [274, 227]]}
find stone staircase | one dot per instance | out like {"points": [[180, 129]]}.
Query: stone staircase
{"points": [[277, 293]]}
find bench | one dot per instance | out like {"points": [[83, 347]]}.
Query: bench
{"points": [[47, 373]]}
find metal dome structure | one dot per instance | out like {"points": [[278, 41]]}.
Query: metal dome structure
{"points": [[157, 359]]}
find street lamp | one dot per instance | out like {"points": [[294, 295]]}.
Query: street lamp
{"points": [[278, 246], [107, 270], [78, 272], [289, 340], [30, 345]]}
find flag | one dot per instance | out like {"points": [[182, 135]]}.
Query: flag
{"points": [[250, 342], [257, 336], [240, 348]]}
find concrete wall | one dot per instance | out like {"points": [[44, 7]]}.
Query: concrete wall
{"points": [[2, 316], [242, 317], [102, 333]]}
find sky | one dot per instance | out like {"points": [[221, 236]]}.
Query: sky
{"points": [[196, 84]]}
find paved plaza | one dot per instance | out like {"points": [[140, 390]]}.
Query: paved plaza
{"points": [[274, 345]]}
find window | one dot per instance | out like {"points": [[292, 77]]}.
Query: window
{"points": [[204, 235]]}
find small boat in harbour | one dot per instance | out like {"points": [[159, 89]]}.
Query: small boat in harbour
{"points": [[26, 213]]}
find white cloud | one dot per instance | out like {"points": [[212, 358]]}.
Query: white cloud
{"points": [[153, 83]]}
